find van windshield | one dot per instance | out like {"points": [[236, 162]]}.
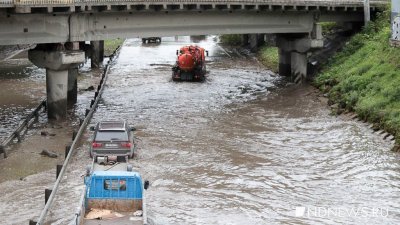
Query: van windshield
{"points": [[111, 136]]}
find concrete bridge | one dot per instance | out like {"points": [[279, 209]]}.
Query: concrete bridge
{"points": [[60, 26], [53, 21]]}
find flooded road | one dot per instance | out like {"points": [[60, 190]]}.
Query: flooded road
{"points": [[242, 148], [22, 87]]}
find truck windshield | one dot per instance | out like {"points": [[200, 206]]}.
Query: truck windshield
{"points": [[111, 136]]}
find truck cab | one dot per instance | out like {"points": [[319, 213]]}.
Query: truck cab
{"points": [[114, 195]]}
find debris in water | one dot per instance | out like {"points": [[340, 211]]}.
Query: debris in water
{"points": [[56, 126], [100, 214], [46, 133], [49, 154], [90, 88], [138, 213]]}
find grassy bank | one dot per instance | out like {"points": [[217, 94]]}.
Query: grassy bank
{"points": [[231, 39], [111, 45], [269, 57], [365, 76]]}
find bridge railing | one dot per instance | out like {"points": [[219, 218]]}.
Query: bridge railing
{"points": [[274, 2], [6, 2], [43, 2]]}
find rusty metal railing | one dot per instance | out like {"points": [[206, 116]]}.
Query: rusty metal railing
{"points": [[22, 128]]}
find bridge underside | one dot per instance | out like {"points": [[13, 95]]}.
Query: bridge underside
{"points": [[16, 28], [58, 29]]}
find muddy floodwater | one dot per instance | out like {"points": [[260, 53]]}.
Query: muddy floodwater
{"points": [[242, 148]]}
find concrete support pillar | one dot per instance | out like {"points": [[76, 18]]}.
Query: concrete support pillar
{"points": [[293, 50], [72, 86], [101, 51], [86, 48], [73, 74], [58, 63], [97, 53], [284, 62], [270, 39], [299, 66], [245, 39], [57, 88], [253, 40], [316, 33], [261, 39], [82, 45], [367, 13]]}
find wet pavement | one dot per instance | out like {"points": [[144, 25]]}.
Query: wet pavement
{"points": [[242, 148]]}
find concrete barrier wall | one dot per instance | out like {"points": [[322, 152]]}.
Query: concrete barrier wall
{"points": [[395, 8], [395, 22]]}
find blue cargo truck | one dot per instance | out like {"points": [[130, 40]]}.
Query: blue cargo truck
{"points": [[114, 194]]}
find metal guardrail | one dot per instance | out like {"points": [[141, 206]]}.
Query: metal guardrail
{"points": [[85, 122], [24, 125], [80, 212]]}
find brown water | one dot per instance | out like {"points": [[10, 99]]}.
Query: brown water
{"points": [[242, 148], [22, 87], [25, 173]]}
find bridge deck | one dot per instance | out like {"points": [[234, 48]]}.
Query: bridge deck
{"points": [[54, 21], [50, 6]]}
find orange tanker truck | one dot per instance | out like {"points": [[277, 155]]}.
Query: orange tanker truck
{"points": [[190, 64]]}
